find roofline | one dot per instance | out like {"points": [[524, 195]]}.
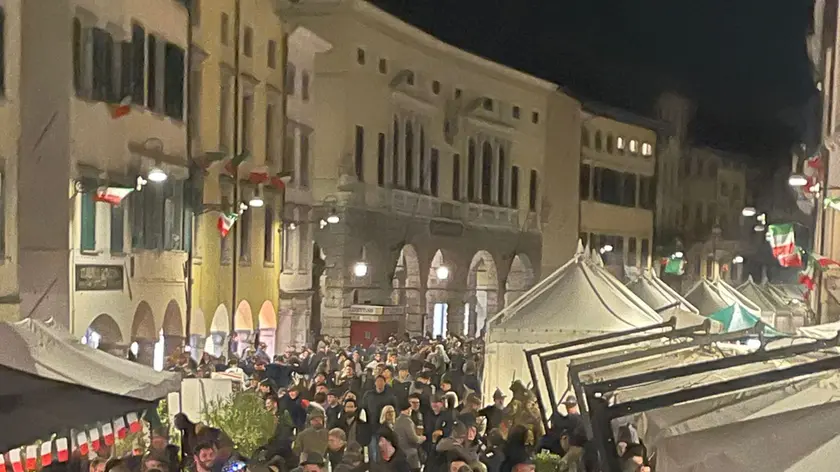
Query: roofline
{"points": [[619, 114]]}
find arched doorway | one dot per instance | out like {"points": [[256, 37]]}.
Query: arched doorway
{"points": [[407, 288], [171, 335], [520, 278], [143, 336], [103, 333], [441, 271], [268, 328], [219, 328], [482, 288], [243, 327], [198, 332]]}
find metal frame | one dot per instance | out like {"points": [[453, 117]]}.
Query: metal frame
{"points": [[602, 414]]}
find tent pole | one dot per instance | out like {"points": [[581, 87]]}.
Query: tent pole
{"points": [[671, 323], [535, 382]]}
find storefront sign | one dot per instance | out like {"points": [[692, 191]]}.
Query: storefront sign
{"points": [[99, 277], [376, 310]]}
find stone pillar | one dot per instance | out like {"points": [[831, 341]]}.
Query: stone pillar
{"points": [[146, 351], [455, 313], [494, 305]]}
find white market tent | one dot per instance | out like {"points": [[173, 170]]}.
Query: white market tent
{"points": [[49, 381], [705, 297], [658, 295], [822, 331], [773, 308], [579, 300]]}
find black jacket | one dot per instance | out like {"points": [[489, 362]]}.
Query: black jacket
{"points": [[373, 402]]}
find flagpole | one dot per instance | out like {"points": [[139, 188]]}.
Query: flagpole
{"points": [[824, 188], [234, 262], [191, 179]]}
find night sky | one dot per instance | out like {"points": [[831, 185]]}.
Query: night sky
{"points": [[743, 61]]}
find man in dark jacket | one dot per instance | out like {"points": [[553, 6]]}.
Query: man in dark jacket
{"points": [[281, 372], [353, 426], [438, 424], [373, 402], [493, 413]]}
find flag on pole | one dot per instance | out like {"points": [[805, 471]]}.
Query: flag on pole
{"points": [[31, 457], [806, 277], [62, 449], [112, 195], [121, 109], [812, 169], [783, 243], [226, 222], [675, 266], [259, 175], [832, 202], [81, 440], [119, 426], [46, 453], [2, 462], [134, 423], [234, 163], [15, 459], [108, 434], [95, 442]]}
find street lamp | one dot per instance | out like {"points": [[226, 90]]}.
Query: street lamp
{"points": [[749, 211], [157, 175], [678, 255], [256, 200], [333, 218], [797, 180], [360, 269], [738, 260], [442, 272]]}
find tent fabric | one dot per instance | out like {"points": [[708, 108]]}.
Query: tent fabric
{"points": [[823, 331], [706, 298], [50, 381], [580, 297], [657, 294], [766, 300], [737, 318], [733, 296]]}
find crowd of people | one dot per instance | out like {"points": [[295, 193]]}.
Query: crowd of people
{"points": [[402, 405]]}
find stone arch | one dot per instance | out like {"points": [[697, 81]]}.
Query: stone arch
{"points": [[214, 344], [482, 293], [438, 298], [198, 332], [243, 326], [268, 327], [143, 335], [172, 329], [103, 333], [520, 278], [407, 288]]}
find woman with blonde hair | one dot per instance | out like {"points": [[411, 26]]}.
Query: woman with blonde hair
{"points": [[388, 417]]}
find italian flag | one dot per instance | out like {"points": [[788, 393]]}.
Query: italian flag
{"points": [[675, 265], [119, 427], [226, 221], [46, 453], [16, 460], [806, 277], [832, 202], [63, 449], [812, 169], [233, 164], [108, 434], [31, 457], [121, 109], [259, 175], [783, 243], [112, 195]]}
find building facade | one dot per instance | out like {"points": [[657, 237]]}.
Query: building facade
{"points": [[430, 162], [675, 112], [617, 191], [239, 97], [95, 121]]}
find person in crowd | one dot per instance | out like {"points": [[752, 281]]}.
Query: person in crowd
{"points": [[294, 404], [571, 405], [572, 441], [353, 459], [349, 421], [409, 441], [373, 402], [388, 416], [204, 457], [493, 413], [493, 456], [390, 457], [336, 445], [315, 438]]}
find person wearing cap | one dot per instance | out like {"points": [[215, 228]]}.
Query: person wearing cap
{"points": [[313, 462], [571, 405], [333, 408], [315, 438], [437, 423], [373, 403], [493, 413], [407, 437], [353, 459], [390, 457]]}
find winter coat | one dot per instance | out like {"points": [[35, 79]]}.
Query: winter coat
{"points": [[312, 440], [408, 440], [373, 402]]}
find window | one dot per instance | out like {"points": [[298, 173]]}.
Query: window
{"points": [[514, 187], [270, 136], [88, 222], [647, 193], [173, 91], [359, 153], [225, 129], [456, 177], [634, 146], [435, 87], [607, 186], [434, 169], [585, 181], [487, 104], [305, 145], [78, 47], [272, 54], [598, 141], [247, 123], [126, 86], [471, 163], [584, 137], [423, 171], [268, 235], [172, 194], [248, 42], [620, 143], [516, 112], [244, 224], [486, 172], [151, 59], [535, 117], [647, 149], [628, 189], [724, 189], [609, 143], [224, 31], [360, 56], [289, 142], [501, 169], [380, 159], [409, 155], [383, 66], [290, 78], [289, 255], [395, 154], [532, 189], [632, 261], [117, 229], [457, 93], [645, 252], [736, 193], [103, 66], [304, 86]]}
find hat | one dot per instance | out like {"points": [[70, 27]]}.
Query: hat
{"points": [[498, 394], [403, 365], [316, 413], [314, 458], [570, 401]]}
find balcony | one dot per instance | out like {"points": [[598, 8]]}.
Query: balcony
{"points": [[604, 218]]}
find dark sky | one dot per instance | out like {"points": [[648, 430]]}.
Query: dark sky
{"points": [[743, 61]]}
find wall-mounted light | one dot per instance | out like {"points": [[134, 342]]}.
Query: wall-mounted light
{"points": [[606, 248], [749, 211], [156, 174], [797, 180], [442, 272], [758, 228], [360, 269], [738, 260], [678, 255], [333, 218], [256, 200]]}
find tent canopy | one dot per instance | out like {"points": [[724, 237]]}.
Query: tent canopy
{"points": [[737, 318], [763, 298], [580, 297], [706, 298], [49, 381], [657, 294]]}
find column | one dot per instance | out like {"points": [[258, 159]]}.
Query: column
{"points": [[146, 351], [455, 312]]}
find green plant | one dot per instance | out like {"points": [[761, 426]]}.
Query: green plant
{"points": [[243, 417], [127, 445], [546, 462]]}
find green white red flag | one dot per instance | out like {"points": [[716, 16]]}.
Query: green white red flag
{"points": [[815, 262], [783, 243], [812, 169], [112, 195], [226, 222], [832, 202]]}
